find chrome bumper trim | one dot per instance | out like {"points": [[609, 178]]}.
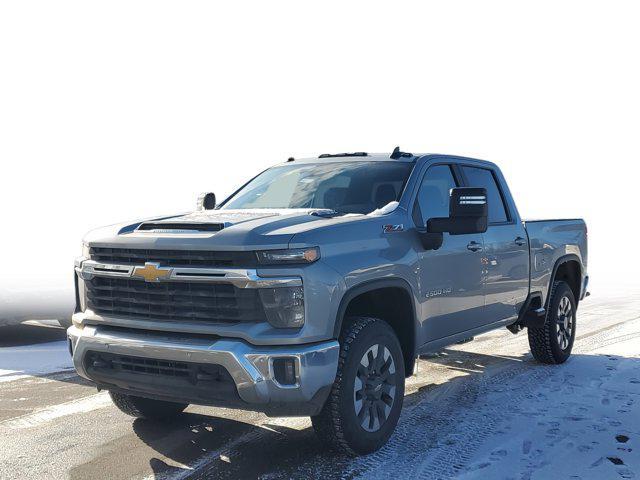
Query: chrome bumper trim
{"points": [[241, 278], [250, 366]]}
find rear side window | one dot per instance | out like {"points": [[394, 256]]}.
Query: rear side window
{"points": [[433, 196], [483, 178]]}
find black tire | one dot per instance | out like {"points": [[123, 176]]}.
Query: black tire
{"points": [[552, 343], [379, 398], [140, 407]]}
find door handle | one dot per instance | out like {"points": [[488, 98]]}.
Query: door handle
{"points": [[520, 241], [474, 246]]}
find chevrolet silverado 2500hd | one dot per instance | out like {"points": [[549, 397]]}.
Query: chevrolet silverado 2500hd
{"points": [[312, 289]]}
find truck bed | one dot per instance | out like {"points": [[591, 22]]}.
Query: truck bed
{"points": [[550, 240]]}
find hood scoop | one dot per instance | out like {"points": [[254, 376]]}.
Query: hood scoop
{"points": [[179, 227]]}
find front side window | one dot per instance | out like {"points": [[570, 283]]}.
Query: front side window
{"points": [[433, 196], [346, 187], [483, 178]]}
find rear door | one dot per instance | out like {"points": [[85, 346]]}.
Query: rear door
{"points": [[506, 249], [450, 278]]}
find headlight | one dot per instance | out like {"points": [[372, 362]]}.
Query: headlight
{"points": [[284, 306], [85, 256], [289, 256]]}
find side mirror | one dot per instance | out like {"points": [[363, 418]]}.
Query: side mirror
{"points": [[206, 201], [467, 213]]}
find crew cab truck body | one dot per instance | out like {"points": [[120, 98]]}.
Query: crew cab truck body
{"points": [[313, 288]]}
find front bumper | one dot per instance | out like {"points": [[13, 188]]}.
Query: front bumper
{"points": [[250, 367]]}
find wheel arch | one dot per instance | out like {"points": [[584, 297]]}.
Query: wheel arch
{"points": [[569, 269], [372, 299]]}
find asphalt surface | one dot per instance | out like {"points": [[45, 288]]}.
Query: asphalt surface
{"points": [[57, 425]]}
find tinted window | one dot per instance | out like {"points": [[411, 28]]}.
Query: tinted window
{"points": [[346, 187], [433, 196], [483, 178]]}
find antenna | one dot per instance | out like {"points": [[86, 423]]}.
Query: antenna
{"points": [[396, 154]]}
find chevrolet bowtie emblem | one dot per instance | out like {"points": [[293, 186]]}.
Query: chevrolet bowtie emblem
{"points": [[151, 272]]}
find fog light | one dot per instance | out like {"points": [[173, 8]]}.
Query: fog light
{"points": [[284, 370]]}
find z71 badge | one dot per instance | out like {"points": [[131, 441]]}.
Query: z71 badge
{"points": [[392, 228]]}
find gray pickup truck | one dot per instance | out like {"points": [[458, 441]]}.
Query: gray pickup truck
{"points": [[312, 289]]}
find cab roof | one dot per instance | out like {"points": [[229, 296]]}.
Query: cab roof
{"points": [[394, 156]]}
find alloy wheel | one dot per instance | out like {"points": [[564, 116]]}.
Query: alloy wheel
{"points": [[374, 387], [564, 323]]}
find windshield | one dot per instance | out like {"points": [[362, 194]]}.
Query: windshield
{"points": [[346, 187]]}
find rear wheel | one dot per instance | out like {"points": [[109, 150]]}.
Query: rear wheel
{"points": [[365, 402], [140, 407], [552, 343]]}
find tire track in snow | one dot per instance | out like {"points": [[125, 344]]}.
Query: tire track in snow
{"points": [[478, 424]]}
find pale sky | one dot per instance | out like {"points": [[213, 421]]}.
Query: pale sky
{"points": [[120, 110]]}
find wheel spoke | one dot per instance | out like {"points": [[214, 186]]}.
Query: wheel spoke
{"points": [[387, 399], [370, 360], [380, 358], [372, 418], [389, 380], [362, 413], [384, 369], [381, 412]]}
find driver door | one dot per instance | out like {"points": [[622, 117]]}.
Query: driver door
{"points": [[450, 278]]}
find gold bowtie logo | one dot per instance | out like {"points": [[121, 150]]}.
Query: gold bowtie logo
{"points": [[151, 272]]}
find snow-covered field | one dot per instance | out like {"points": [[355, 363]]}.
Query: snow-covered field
{"points": [[480, 410]]}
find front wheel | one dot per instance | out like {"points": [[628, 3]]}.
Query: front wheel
{"points": [[552, 343], [365, 401], [148, 408]]}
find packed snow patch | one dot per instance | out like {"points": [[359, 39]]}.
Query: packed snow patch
{"points": [[29, 360]]}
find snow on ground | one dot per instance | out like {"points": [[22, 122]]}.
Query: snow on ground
{"points": [[34, 360], [581, 422], [512, 418]]}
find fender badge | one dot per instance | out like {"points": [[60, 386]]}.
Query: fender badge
{"points": [[392, 228]]}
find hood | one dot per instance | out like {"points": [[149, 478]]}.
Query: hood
{"points": [[212, 220], [224, 229]]}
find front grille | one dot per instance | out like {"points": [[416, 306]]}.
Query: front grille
{"points": [[183, 301], [185, 382], [174, 258], [148, 366], [195, 372]]}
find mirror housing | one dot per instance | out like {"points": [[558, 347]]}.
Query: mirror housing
{"points": [[467, 213], [206, 201]]}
